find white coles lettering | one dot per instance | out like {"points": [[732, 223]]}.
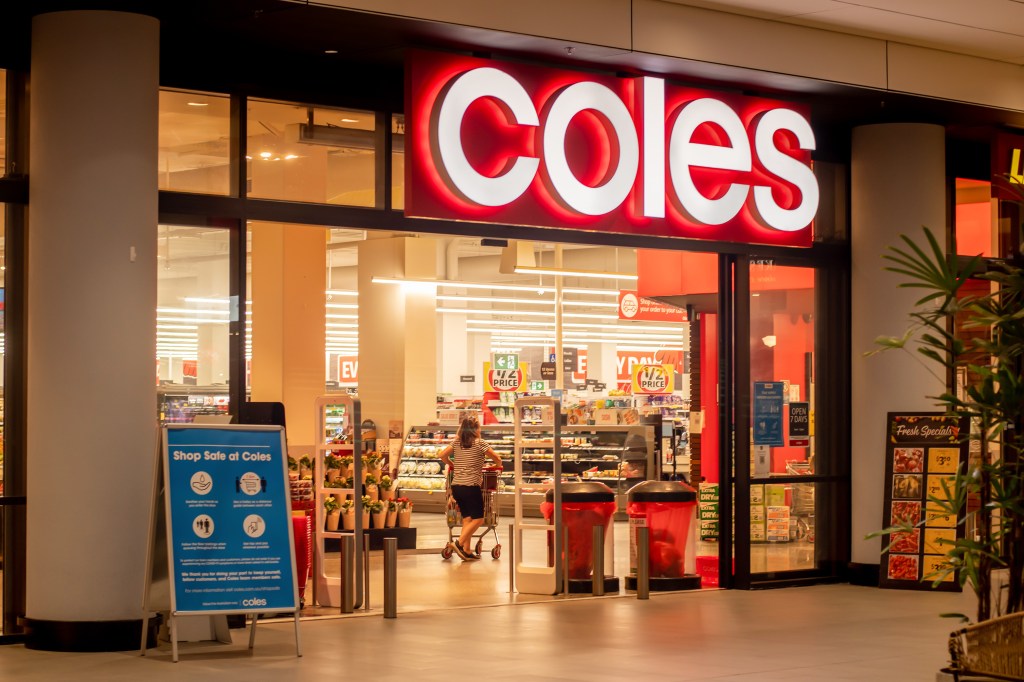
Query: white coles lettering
{"points": [[786, 168], [464, 90]]}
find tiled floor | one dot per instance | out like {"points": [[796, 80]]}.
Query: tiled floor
{"points": [[835, 632]]}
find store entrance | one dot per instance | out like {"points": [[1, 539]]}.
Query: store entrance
{"points": [[416, 325]]}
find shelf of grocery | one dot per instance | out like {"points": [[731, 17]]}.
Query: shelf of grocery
{"points": [[335, 446]]}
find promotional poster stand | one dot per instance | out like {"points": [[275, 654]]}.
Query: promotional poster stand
{"points": [[221, 539]]}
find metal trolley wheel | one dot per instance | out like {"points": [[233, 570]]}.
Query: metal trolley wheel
{"points": [[446, 552], [496, 551]]}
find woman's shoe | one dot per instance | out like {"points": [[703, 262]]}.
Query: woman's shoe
{"points": [[463, 554]]}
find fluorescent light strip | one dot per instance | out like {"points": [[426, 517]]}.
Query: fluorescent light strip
{"points": [[526, 301], [188, 319], [467, 311], [190, 311], [341, 292], [176, 326], [346, 306], [629, 327], [340, 325], [341, 317], [494, 287], [597, 336], [520, 270], [186, 335]]}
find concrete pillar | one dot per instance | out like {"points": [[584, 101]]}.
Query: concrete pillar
{"points": [[397, 331], [898, 185], [91, 430], [289, 275]]}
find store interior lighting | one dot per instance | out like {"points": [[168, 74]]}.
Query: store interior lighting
{"points": [[560, 272]]}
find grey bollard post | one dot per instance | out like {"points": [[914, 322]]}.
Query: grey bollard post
{"points": [[565, 561], [643, 563], [348, 573], [366, 570], [512, 558], [597, 579], [390, 577]]}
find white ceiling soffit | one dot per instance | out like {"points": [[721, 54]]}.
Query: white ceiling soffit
{"points": [[993, 29]]}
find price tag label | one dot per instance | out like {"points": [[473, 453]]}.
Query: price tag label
{"points": [[937, 517], [943, 460]]}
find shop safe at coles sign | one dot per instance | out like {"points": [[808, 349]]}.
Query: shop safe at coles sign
{"points": [[229, 520], [521, 145]]}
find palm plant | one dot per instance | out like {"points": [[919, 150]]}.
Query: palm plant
{"points": [[993, 401]]}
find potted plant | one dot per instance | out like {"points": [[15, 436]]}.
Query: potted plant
{"points": [[404, 512], [338, 484], [992, 354], [392, 515], [348, 514], [370, 488], [386, 486], [293, 469], [378, 512], [333, 511], [305, 467], [371, 463], [366, 511], [333, 466], [346, 465]]}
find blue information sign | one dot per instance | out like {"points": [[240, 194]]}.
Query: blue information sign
{"points": [[768, 402], [229, 520]]}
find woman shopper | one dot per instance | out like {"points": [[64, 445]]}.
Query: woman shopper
{"points": [[469, 450]]}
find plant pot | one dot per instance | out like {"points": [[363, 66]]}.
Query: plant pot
{"points": [[375, 472], [305, 471], [345, 471], [404, 518], [366, 519], [389, 520], [348, 520], [378, 519], [388, 494], [332, 475], [373, 493], [332, 520]]}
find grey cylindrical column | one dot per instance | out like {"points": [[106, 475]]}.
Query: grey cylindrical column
{"points": [[898, 185], [597, 546], [91, 432]]}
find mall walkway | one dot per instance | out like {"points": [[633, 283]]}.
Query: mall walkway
{"points": [[835, 632]]}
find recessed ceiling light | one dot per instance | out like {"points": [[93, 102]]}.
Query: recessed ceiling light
{"points": [[198, 104], [350, 120], [330, 52], [291, 156], [265, 155]]}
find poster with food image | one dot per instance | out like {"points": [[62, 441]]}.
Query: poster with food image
{"points": [[903, 567], [906, 486], [923, 452], [903, 512], [938, 540], [906, 543], [908, 460]]}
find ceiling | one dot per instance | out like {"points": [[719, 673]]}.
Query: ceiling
{"points": [[993, 29]]}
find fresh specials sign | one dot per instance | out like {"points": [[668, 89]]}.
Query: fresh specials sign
{"points": [[229, 519], [521, 145]]}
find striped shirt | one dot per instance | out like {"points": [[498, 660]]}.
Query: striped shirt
{"points": [[469, 462]]}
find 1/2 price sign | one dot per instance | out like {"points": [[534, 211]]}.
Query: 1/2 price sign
{"points": [[505, 379]]}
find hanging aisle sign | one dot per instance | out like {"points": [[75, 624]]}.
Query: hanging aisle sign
{"points": [[923, 452], [508, 143], [227, 522]]}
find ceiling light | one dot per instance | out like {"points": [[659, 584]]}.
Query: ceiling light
{"points": [[345, 306], [190, 311], [521, 270], [289, 157], [532, 313], [265, 155], [341, 292], [350, 120], [330, 52], [496, 287], [198, 104]]}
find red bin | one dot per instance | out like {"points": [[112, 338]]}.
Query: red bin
{"points": [[584, 505], [667, 509]]}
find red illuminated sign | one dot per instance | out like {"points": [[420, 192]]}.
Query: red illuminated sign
{"points": [[521, 145]]}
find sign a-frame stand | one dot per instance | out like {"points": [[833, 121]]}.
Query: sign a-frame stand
{"points": [[221, 539]]}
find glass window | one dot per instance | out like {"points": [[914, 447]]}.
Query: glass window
{"points": [[192, 315], [782, 371], [398, 162], [312, 154], [975, 210], [195, 149]]}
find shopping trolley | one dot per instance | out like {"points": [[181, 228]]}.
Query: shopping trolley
{"points": [[489, 488]]}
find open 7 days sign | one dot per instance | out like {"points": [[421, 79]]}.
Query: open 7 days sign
{"points": [[507, 143]]}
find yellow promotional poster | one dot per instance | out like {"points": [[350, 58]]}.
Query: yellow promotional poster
{"points": [[505, 380], [653, 378]]}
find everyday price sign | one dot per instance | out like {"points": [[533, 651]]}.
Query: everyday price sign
{"points": [[521, 145], [228, 519], [633, 307]]}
